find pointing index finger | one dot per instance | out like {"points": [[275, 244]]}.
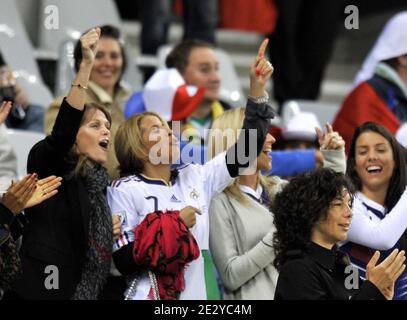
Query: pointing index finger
{"points": [[262, 48]]}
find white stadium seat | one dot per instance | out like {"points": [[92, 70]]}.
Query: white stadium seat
{"points": [[75, 17], [17, 51], [325, 112], [22, 142]]}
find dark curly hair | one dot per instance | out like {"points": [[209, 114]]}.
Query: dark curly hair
{"points": [[178, 58], [398, 180], [303, 202]]}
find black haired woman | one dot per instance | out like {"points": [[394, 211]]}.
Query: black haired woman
{"points": [[377, 167], [312, 214]]}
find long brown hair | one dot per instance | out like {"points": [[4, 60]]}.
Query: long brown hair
{"points": [[83, 160]]}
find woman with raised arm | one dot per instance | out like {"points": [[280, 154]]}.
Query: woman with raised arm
{"points": [[164, 245], [105, 85], [241, 223], [71, 232]]}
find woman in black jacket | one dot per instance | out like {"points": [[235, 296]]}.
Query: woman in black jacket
{"points": [[20, 195], [66, 250], [311, 215]]}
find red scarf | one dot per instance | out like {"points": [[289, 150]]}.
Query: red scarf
{"points": [[164, 245]]}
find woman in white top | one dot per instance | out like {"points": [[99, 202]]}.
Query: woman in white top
{"points": [[377, 167], [151, 192]]}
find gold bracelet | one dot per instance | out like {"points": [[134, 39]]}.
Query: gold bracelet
{"points": [[79, 86]]}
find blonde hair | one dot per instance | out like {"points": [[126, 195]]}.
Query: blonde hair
{"points": [[223, 134], [129, 147]]}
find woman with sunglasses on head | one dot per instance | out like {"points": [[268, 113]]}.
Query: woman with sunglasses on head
{"points": [[241, 223]]}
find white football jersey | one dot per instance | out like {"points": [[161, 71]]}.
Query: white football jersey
{"points": [[136, 196]]}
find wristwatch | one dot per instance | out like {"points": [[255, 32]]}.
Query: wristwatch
{"points": [[259, 100]]}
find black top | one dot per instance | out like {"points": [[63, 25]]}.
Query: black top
{"points": [[57, 230], [6, 216], [16, 223], [319, 274]]}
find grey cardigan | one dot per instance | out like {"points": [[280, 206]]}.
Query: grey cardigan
{"points": [[241, 239]]}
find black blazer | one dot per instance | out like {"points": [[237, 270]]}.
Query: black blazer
{"points": [[320, 274], [57, 231]]}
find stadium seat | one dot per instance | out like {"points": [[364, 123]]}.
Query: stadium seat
{"points": [[22, 142], [17, 51], [65, 70], [325, 112], [75, 17]]}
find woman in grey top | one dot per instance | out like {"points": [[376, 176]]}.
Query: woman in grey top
{"points": [[241, 231]]}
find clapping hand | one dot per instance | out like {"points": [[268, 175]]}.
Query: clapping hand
{"points": [[45, 189], [385, 274], [17, 195]]}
